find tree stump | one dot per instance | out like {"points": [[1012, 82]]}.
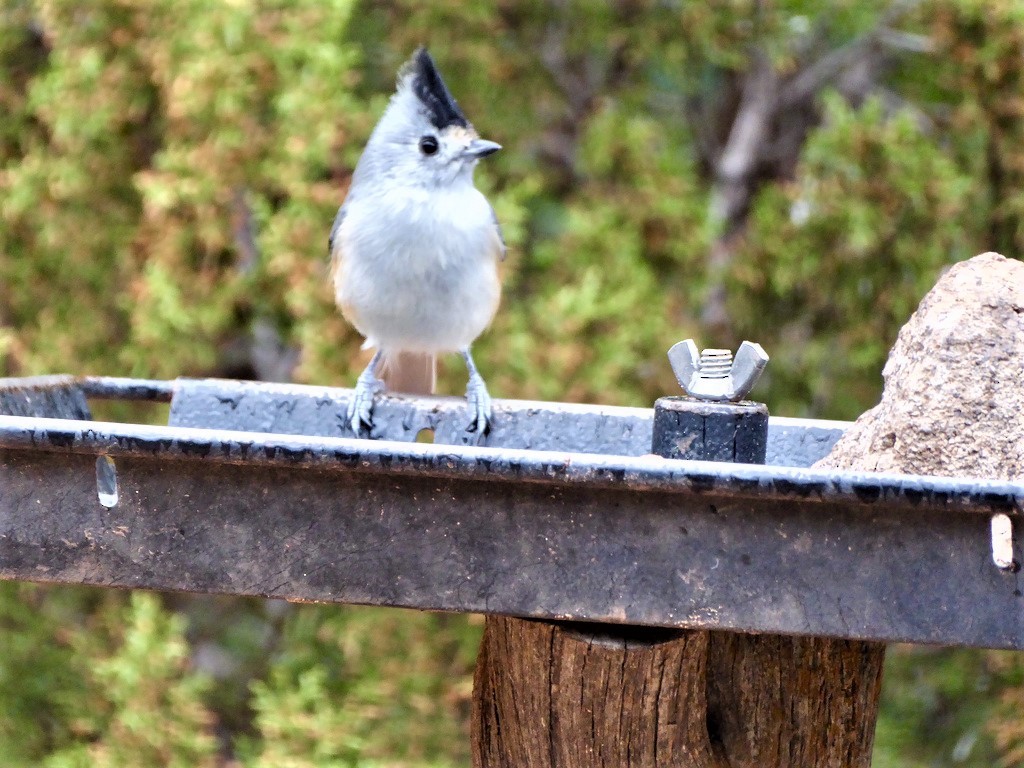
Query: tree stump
{"points": [[556, 695], [547, 695]]}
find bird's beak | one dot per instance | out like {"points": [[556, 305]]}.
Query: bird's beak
{"points": [[478, 148]]}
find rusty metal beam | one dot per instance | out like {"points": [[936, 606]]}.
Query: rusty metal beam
{"points": [[546, 534]]}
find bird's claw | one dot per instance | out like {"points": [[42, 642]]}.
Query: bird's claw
{"points": [[360, 407], [479, 400]]}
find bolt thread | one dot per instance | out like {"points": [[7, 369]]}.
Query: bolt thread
{"points": [[715, 363]]}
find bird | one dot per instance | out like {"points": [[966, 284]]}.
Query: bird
{"points": [[415, 246]]}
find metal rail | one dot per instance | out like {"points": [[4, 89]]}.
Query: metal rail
{"points": [[551, 534], [119, 388], [295, 409]]}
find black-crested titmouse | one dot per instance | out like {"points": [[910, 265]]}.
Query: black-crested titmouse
{"points": [[415, 246]]}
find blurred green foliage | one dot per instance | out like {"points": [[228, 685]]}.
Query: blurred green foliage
{"points": [[168, 175], [797, 277]]}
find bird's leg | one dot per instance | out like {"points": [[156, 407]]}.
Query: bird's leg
{"points": [[360, 407], [477, 396]]}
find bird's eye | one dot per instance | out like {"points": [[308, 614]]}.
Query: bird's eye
{"points": [[428, 145]]}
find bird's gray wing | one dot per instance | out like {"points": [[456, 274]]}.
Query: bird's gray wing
{"points": [[497, 228], [339, 217]]}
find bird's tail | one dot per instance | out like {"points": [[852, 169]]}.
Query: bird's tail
{"points": [[414, 373]]}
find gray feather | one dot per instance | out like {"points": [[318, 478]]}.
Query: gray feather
{"points": [[339, 217], [501, 235]]}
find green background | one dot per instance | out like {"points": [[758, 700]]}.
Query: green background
{"points": [[168, 175]]}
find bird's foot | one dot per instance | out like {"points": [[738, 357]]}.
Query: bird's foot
{"points": [[479, 400], [360, 407]]}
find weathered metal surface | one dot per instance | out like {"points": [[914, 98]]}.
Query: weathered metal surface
{"points": [[43, 396], [120, 388], [550, 535], [796, 442], [292, 409], [688, 428], [305, 410]]}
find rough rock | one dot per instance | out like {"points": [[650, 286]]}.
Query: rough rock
{"points": [[953, 401]]}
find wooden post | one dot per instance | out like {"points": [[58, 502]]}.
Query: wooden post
{"points": [[548, 694]]}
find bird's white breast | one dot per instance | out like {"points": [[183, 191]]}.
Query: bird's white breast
{"points": [[418, 268]]}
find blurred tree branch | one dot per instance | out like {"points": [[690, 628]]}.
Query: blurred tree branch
{"points": [[766, 128]]}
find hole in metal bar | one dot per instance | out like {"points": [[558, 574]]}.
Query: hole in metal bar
{"points": [[1002, 543], [425, 435], [106, 481]]}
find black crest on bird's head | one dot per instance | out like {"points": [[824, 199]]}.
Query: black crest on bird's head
{"points": [[428, 85]]}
